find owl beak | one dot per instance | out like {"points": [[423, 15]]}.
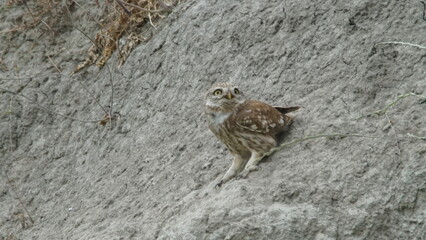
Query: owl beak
{"points": [[229, 96]]}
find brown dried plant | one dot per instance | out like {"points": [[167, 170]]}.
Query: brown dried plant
{"points": [[40, 13], [122, 19], [126, 19]]}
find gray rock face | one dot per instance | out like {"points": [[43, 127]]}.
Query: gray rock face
{"points": [[151, 174]]}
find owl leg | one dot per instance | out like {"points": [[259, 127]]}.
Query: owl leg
{"points": [[251, 164], [236, 166]]}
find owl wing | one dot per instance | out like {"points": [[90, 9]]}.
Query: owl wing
{"points": [[260, 117]]}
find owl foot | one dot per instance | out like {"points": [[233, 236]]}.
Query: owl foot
{"points": [[219, 184], [246, 171]]}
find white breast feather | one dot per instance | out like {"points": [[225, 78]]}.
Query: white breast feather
{"points": [[219, 118]]}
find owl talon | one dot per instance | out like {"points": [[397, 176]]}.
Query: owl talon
{"points": [[242, 175], [246, 171], [255, 168], [219, 184]]}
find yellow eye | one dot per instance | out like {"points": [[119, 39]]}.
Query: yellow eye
{"points": [[236, 91], [217, 92]]}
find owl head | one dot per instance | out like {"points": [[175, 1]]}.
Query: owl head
{"points": [[223, 97]]}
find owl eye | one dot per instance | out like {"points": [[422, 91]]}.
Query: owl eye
{"points": [[217, 92], [236, 91]]}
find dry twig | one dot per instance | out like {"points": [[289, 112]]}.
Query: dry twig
{"points": [[47, 109], [394, 134], [386, 108], [166, 8], [331, 135], [417, 137], [401, 43], [54, 65], [13, 187]]}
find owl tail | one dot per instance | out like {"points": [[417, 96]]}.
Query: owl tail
{"points": [[288, 120], [285, 110]]}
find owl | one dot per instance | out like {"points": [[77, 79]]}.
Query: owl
{"points": [[248, 128]]}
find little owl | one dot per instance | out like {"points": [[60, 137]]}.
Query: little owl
{"points": [[248, 128]]}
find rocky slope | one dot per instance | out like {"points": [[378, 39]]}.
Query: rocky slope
{"points": [[151, 173]]}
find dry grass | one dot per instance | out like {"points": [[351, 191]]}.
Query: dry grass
{"points": [[120, 27], [125, 20], [40, 14]]}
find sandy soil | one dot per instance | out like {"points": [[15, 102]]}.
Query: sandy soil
{"points": [[151, 174]]}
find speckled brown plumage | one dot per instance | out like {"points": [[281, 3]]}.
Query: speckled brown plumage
{"points": [[248, 128]]}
